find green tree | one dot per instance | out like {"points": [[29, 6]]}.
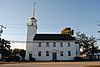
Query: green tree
{"points": [[87, 44], [4, 48], [68, 31], [21, 52]]}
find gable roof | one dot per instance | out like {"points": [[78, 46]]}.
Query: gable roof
{"points": [[53, 37]]}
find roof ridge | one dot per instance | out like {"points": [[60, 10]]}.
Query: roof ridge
{"points": [[53, 37]]}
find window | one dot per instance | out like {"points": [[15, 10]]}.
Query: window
{"points": [[68, 44], [61, 44], [39, 44], [61, 53], [47, 44], [54, 44], [39, 53], [69, 53], [47, 53], [76, 53]]}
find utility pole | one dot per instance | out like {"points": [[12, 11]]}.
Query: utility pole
{"points": [[98, 26], [98, 31], [1, 29]]}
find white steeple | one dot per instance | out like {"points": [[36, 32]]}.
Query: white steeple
{"points": [[31, 31], [32, 21]]}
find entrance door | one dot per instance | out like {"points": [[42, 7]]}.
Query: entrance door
{"points": [[54, 56], [30, 56]]}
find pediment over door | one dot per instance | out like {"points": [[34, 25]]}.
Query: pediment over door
{"points": [[54, 51]]}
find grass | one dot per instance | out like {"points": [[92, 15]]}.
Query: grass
{"points": [[93, 66]]}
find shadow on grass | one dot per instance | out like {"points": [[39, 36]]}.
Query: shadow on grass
{"points": [[93, 66]]}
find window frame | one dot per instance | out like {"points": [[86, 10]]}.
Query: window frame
{"points": [[61, 44], [39, 53], [47, 53], [68, 44], [47, 44], [61, 53], [54, 44], [39, 44], [76, 53], [69, 53]]}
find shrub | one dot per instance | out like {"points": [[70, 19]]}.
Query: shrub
{"points": [[32, 59], [78, 58]]}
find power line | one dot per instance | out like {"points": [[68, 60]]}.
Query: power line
{"points": [[32, 34], [12, 26], [38, 27], [15, 34], [12, 41]]}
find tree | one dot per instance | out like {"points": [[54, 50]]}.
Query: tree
{"points": [[87, 44], [4, 48], [21, 52], [68, 31]]}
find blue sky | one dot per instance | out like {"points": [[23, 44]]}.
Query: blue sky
{"points": [[52, 17]]}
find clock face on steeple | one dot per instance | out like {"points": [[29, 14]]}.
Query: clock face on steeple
{"points": [[29, 23], [32, 22]]}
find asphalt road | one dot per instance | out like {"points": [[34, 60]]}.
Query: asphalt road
{"points": [[51, 64]]}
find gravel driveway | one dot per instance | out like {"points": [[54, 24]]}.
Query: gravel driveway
{"points": [[51, 64]]}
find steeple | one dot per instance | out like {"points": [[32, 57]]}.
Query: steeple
{"points": [[33, 17], [31, 32], [32, 21]]}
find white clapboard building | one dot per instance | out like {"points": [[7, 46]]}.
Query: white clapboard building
{"points": [[47, 47]]}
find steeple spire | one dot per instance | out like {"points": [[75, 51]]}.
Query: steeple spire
{"points": [[34, 10], [33, 19]]}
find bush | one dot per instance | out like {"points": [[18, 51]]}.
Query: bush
{"points": [[7, 59], [23, 60], [2, 60], [78, 58], [17, 58], [32, 59]]}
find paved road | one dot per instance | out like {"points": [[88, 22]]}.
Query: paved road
{"points": [[51, 64]]}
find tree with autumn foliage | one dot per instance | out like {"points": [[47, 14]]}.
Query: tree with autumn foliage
{"points": [[67, 31]]}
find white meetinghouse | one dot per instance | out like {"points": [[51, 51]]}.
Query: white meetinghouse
{"points": [[49, 47]]}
